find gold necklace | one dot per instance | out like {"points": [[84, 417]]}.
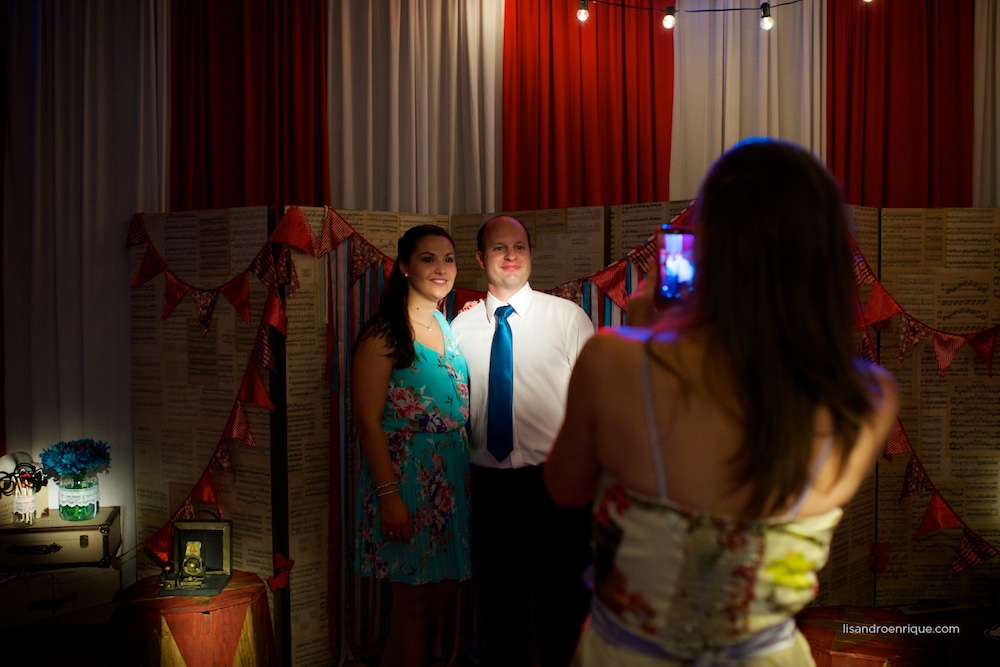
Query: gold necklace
{"points": [[421, 324]]}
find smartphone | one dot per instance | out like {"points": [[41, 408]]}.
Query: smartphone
{"points": [[676, 264]]}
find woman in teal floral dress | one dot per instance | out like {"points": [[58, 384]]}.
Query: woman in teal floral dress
{"points": [[411, 403]]}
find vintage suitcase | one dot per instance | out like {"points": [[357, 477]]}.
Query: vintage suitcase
{"points": [[55, 543]]}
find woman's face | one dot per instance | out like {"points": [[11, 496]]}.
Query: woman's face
{"points": [[431, 270]]}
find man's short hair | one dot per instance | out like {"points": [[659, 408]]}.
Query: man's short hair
{"points": [[480, 235]]}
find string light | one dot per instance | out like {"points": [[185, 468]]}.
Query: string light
{"points": [[766, 22], [669, 19], [670, 13]]}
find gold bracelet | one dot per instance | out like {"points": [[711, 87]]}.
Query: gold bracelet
{"points": [[379, 487]]}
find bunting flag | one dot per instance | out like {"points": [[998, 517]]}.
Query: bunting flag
{"points": [[878, 556], [985, 344], [274, 313], [137, 234], [293, 230], [152, 266], [945, 348], [283, 566], [337, 228], [612, 282], [937, 516], [910, 333], [286, 270], [204, 303], [363, 255], [222, 457], [573, 291], [262, 266], [237, 292], [252, 389], [915, 479], [897, 442], [262, 355], [161, 542], [972, 551], [238, 428], [863, 274], [175, 291], [880, 307]]}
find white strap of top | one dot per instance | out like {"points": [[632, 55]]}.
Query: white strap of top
{"points": [[654, 438]]}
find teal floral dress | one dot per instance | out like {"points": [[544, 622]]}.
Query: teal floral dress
{"points": [[424, 422]]}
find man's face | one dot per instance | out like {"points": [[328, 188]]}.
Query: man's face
{"points": [[506, 257]]}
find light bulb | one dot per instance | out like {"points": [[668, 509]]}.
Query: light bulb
{"points": [[766, 22], [583, 13], [669, 19]]}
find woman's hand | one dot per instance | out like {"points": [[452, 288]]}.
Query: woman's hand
{"points": [[642, 308], [395, 518]]}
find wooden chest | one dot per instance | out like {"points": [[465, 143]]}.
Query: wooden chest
{"points": [[55, 543]]}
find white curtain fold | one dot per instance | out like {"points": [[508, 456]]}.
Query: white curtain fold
{"points": [[986, 106], [733, 80], [414, 105], [86, 149]]}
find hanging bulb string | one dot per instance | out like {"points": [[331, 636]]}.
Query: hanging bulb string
{"points": [[671, 13]]}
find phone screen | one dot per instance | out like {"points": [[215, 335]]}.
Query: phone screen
{"points": [[676, 263]]}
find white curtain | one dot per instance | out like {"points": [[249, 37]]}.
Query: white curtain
{"points": [[986, 106], [414, 105], [86, 149], [733, 80]]}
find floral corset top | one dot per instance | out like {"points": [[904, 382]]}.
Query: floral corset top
{"points": [[691, 582]]}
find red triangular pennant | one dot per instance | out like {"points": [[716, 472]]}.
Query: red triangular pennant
{"points": [[863, 274], [252, 389], [286, 270], [972, 551], [946, 346], [152, 266], [985, 344], [262, 355], [207, 490], [237, 292], [262, 266], [363, 256], [222, 457], [880, 306], [337, 228], [937, 516], [274, 313], [897, 442], [611, 281], [293, 229], [175, 291]]}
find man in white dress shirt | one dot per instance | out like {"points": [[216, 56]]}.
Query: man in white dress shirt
{"points": [[528, 554]]}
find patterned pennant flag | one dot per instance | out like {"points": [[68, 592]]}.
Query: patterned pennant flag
{"points": [[363, 255], [945, 348], [972, 551], [863, 274], [915, 479], [286, 269], [937, 516], [137, 234], [336, 228], [262, 354], [204, 303], [898, 442], [238, 428], [262, 266], [611, 281], [911, 331], [222, 457]]}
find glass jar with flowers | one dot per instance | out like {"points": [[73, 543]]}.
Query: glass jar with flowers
{"points": [[74, 465]]}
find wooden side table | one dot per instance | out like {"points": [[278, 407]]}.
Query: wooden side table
{"points": [[226, 630]]}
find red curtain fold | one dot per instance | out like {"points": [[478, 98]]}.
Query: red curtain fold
{"points": [[248, 103], [587, 107], [900, 117]]}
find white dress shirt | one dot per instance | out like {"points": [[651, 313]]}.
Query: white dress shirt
{"points": [[547, 334]]}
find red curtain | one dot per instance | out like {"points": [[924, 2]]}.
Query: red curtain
{"points": [[248, 103], [900, 102], [587, 107]]}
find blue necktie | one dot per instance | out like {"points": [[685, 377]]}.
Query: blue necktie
{"points": [[500, 405]]}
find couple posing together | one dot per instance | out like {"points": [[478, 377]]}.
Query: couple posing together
{"points": [[711, 449]]}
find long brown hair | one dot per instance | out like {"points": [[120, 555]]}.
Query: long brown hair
{"points": [[392, 320], [775, 293]]}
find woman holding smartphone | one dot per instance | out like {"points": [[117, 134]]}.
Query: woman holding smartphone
{"points": [[719, 443]]}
